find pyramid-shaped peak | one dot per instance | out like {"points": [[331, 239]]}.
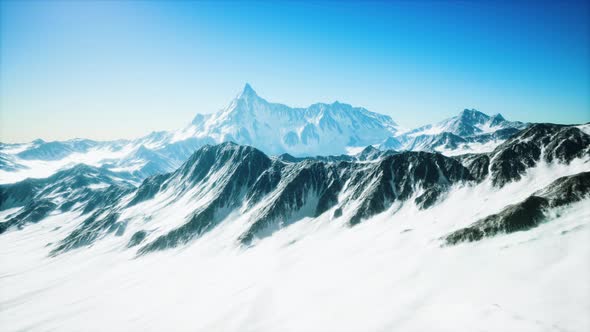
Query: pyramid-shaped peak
{"points": [[369, 149], [499, 117], [248, 91]]}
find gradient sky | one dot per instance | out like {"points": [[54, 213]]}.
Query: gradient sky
{"points": [[120, 69]]}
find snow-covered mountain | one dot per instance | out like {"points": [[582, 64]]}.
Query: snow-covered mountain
{"points": [[134, 159], [81, 187], [469, 122], [218, 180], [320, 129], [233, 230], [470, 131]]}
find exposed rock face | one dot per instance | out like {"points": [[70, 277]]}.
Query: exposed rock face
{"points": [[82, 187], [528, 213], [477, 164], [369, 153], [510, 160], [296, 186], [234, 170], [294, 190], [401, 176]]}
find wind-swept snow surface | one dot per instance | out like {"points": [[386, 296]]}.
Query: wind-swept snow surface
{"points": [[390, 273]]}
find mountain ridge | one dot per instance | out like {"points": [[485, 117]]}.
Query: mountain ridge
{"points": [[326, 131], [275, 192]]}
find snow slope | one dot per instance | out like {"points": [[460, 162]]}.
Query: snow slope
{"points": [[389, 273]]}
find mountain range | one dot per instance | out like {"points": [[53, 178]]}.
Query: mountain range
{"points": [[219, 180], [259, 215], [320, 129]]}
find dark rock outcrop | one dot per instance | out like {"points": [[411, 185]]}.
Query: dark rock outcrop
{"points": [[539, 142], [528, 213]]}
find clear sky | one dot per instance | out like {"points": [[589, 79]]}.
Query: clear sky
{"points": [[120, 69]]}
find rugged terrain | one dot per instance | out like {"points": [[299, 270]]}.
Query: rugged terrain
{"points": [[319, 130], [189, 232]]}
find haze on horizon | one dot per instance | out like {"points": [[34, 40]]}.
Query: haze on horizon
{"points": [[120, 69]]}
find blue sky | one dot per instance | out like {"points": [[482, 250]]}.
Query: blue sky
{"points": [[120, 69]]}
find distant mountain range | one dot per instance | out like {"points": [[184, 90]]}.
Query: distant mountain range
{"points": [[320, 129], [470, 131]]}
